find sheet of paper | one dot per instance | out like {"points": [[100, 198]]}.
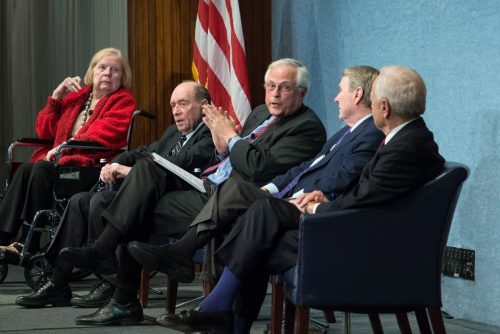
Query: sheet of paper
{"points": [[197, 183]]}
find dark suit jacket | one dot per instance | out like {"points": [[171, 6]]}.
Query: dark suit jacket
{"points": [[285, 144], [195, 153], [72, 230], [340, 166], [410, 159], [292, 140]]}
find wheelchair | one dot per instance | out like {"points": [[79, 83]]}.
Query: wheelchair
{"points": [[68, 180]]}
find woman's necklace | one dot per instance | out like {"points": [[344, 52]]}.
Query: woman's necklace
{"points": [[87, 112]]}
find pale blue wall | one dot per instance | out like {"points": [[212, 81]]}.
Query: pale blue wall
{"points": [[455, 46]]}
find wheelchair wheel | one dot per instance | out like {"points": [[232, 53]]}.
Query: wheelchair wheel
{"points": [[37, 271], [4, 269]]}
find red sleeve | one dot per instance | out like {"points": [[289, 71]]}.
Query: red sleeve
{"points": [[47, 118]]}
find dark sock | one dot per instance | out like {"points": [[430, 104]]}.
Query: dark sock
{"points": [[241, 325], [109, 239], [128, 279], [125, 296], [191, 242], [222, 296], [61, 274]]}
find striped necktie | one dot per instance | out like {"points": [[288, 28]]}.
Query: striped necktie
{"points": [[178, 146]]}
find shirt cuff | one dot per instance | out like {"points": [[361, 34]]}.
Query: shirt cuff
{"points": [[271, 188], [232, 141], [312, 207]]}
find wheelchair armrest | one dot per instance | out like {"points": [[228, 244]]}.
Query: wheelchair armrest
{"points": [[26, 141], [23, 142], [89, 145], [83, 144]]}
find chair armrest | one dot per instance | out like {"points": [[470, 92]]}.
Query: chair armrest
{"points": [[76, 144], [83, 144], [25, 141], [366, 257]]}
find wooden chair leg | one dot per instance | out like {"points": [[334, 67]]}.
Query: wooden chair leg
{"points": [[329, 316], [277, 301], [302, 320], [375, 323], [289, 316], [144, 288], [436, 320], [403, 323], [171, 295], [423, 321]]}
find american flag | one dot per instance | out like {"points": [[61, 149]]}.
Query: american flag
{"points": [[219, 61]]}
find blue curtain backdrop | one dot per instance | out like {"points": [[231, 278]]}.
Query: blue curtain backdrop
{"points": [[455, 46]]}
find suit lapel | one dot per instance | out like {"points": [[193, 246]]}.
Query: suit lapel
{"points": [[349, 138]]}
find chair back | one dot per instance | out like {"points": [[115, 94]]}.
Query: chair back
{"points": [[381, 259]]}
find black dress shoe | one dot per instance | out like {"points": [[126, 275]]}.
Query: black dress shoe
{"points": [[48, 294], [114, 313], [220, 322], [163, 259], [90, 257], [99, 296]]}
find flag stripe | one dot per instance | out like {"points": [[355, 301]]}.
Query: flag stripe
{"points": [[219, 56]]}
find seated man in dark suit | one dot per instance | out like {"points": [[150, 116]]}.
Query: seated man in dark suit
{"points": [[266, 147], [264, 240], [187, 144], [339, 163]]}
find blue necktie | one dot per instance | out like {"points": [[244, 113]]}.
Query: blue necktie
{"points": [[296, 179]]}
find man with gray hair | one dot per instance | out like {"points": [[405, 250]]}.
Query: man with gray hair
{"points": [[275, 137], [264, 240], [339, 162]]}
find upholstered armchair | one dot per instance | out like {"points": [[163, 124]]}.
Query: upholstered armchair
{"points": [[374, 260]]}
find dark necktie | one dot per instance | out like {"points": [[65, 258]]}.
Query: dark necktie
{"points": [[382, 144], [178, 146], [250, 139], [296, 179]]}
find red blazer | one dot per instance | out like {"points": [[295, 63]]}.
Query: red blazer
{"points": [[107, 125]]}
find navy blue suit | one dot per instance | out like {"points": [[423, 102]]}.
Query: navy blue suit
{"points": [[340, 166], [265, 239], [331, 175]]}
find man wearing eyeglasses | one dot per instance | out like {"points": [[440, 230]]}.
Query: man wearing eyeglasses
{"points": [[338, 164], [265, 239], [275, 137]]}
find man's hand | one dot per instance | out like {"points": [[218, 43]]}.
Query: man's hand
{"points": [[221, 125], [306, 201], [112, 172]]}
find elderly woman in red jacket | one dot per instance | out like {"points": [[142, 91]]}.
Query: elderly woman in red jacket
{"points": [[98, 111]]}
